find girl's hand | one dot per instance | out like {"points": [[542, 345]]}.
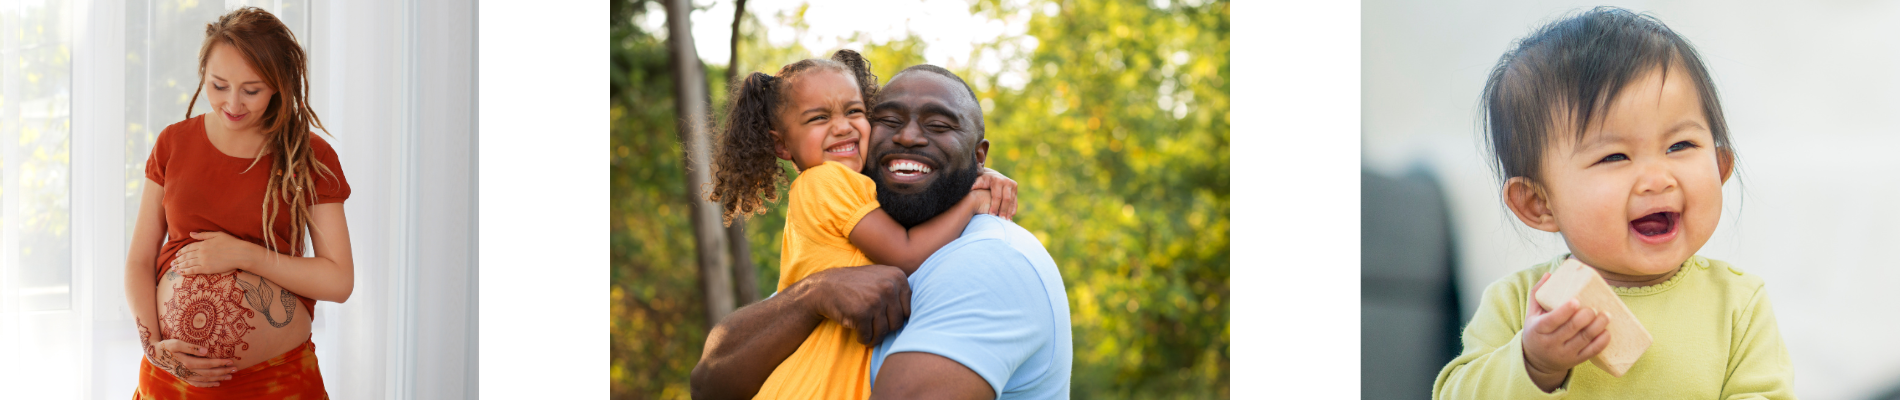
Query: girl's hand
{"points": [[1557, 340], [981, 198], [187, 362], [215, 253], [1002, 193]]}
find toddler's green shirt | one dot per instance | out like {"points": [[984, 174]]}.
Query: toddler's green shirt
{"points": [[1715, 338]]}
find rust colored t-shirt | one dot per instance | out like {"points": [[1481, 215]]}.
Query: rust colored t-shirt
{"points": [[209, 191]]}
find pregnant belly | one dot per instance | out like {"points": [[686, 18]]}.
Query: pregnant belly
{"points": [[236, 315]]}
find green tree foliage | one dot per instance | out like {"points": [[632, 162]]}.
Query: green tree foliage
{"points": [[1119, 138], [654, 293], [657, 324], [1120, 141]]}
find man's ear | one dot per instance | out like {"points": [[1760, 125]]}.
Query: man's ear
{"points": [[982, 152], [1725, 163], [778, 146], [1531, 204]]}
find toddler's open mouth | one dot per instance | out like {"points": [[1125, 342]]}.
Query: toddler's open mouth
{"points": [[1656, 227]]}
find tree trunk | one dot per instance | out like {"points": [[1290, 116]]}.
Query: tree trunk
{"points": [[715, 269], [732, 63], [745, 276]]}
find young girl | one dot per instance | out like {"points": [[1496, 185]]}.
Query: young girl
{"points": [[1606, 129], [813, 113]]}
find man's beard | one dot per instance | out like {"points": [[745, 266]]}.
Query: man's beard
{"points": [[913, 209]]}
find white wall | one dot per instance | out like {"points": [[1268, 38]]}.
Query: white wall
{"points": [[393, 81], [1807, 89]]}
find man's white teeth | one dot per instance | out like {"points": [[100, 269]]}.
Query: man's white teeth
{"points": [[903, 166]]}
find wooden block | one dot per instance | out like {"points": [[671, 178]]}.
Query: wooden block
{"points": [[1628, 339]]}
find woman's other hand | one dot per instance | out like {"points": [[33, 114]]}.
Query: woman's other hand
{"points": [[1002, 193], [187, 362], [216, 253]]}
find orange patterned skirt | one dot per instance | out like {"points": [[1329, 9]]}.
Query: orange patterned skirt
{"points": [[292, 375]]}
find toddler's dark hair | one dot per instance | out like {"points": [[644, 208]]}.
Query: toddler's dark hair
{"points": [[1576, 66], [746, 172]]}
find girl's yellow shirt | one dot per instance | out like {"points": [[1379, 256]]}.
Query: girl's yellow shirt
{"points": [[1715, 338], [827, 201]]}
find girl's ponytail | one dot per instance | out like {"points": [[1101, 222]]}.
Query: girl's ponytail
{"points": [[860, 69], [746, 172]]}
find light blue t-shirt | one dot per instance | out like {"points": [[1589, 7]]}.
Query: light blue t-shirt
{"points": [[993, 301]]}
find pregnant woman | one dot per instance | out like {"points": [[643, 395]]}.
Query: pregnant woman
{"points": [[216, 276]]}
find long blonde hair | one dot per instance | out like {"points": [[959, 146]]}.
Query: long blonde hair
{"points": [[270, 48]]}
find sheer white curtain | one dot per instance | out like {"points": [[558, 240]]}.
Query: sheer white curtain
{"points": [[41, 306], [85, 91]]}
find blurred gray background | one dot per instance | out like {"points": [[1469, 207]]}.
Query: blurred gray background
{"points": [[1812, 100]]}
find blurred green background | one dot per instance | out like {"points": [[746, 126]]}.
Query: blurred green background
{"points": [[1111, 115]]}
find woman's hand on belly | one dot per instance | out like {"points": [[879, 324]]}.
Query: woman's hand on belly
{"points": [[234, 315], [187, 362], [216, 253]]}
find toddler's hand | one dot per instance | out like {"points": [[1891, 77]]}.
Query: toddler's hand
{"points": [[1556, 340], [1002, 192]]}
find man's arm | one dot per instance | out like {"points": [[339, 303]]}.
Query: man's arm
{"points": [[986, 319], [918, 375], [742, 350]]}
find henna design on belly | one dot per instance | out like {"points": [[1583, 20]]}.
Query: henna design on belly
{"points": [[261, 299], [164, 362], [204, 310]]}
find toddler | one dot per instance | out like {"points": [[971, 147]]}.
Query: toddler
{"points": [[1606, 129]]}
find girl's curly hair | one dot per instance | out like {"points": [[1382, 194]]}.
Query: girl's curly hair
{"points": [[746, 171]]}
